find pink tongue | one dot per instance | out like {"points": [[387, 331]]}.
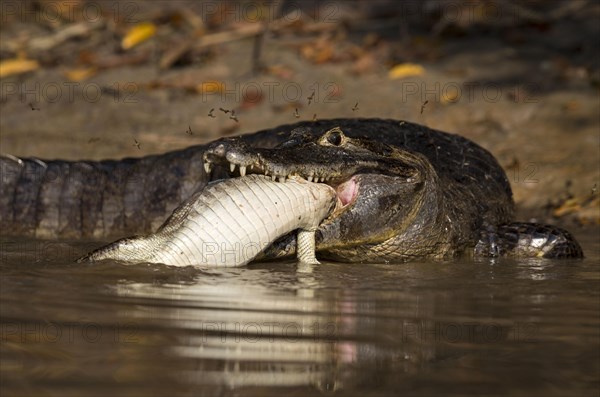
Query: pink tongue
{"points": [[347, 191]]}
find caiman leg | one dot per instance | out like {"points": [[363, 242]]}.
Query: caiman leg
{"points": [[306, 247], [521, 239]]}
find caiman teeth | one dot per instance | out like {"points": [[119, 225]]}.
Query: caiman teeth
{"points": [[274, 174], [207, 167]]}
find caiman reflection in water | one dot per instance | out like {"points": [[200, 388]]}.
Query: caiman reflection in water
{"points": [[424, 328]]}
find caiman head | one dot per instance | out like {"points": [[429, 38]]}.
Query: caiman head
{"points": [[384, 192]]}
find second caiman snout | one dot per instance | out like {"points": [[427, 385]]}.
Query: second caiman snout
{"points": [[382, 189], [228, 223]]}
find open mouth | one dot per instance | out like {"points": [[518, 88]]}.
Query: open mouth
{"points": [[347, 189]]}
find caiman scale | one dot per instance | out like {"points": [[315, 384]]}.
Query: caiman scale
{"points": [[408, 192]]}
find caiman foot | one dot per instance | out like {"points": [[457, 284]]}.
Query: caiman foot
{"points": [[306, 247], [520, 239]]}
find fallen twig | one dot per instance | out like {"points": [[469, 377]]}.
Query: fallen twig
{"points": [[68, 32]]}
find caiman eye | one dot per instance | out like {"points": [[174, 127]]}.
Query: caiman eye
{"points": [[335, 138]]}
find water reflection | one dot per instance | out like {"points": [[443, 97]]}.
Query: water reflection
{"points": [[244, 329], [520, 327]]}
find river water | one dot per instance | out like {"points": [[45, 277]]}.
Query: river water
{"points": [[463, 327]]}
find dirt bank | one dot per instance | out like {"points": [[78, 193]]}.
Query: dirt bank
{"points": [[520, 81]]}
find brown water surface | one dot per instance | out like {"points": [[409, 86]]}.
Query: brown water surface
{"points": [[463, 327]]}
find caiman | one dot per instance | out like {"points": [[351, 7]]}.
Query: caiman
{"points": [[408, 192]]}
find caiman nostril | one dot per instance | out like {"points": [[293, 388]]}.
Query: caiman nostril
{"points": [[219, 150]]}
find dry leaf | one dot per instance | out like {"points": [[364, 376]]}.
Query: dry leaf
{"points": [[450, 95], [80, 74], [405, 70], [569, 206], [571, 106], [138, 34], [210, 87], [318, 54], [251, 97], [319, 51], [282, 71], [17, 66], [365, 63]]}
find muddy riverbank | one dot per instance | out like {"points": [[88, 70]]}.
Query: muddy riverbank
{"points": [[520, 81]]}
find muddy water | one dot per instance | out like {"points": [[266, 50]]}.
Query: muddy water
{"points": [[455, 328]]}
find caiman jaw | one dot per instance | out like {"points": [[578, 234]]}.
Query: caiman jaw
{"points": [[334, 159], [376, 185], [347, 190], [259, 167]]}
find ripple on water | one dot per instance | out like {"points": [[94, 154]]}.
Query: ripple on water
{"points": [[457, 327]]}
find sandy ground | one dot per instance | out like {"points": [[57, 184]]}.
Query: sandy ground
{"points": [[524, 87]]}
